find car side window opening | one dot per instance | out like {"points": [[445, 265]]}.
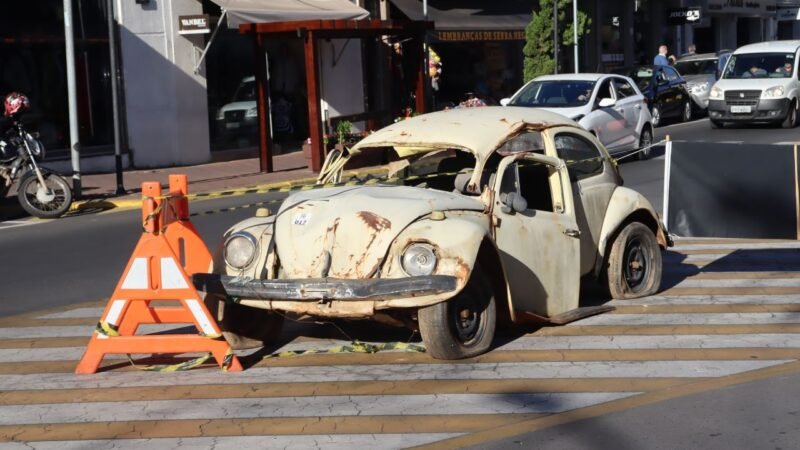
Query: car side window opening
{"points": [[582, 157], [661, 77], [623, 88], [531, 180], [604, 91], [672, 75]]}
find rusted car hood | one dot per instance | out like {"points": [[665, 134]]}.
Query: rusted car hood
{"points": [[348, 230]]}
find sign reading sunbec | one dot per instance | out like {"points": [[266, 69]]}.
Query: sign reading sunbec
{"points": [[680, 16], [196, 24], [480, 35]]}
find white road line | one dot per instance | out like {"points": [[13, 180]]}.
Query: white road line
{"points": [[76, 313], [394, 372], [778, 340], [709, 300], [294, 442], [682, 245], [712, 283], [786, 143], [319, 406], [690, 319], [16, 223]]}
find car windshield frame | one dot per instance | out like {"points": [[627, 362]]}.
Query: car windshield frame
{"points": [[246, 92], [758, 65], [573, 94], [698, 66]]}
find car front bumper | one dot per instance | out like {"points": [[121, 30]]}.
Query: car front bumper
{"points": [[322, 289], [771, 110], [700, 99]]}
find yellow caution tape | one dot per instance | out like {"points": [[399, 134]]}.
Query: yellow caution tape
{"points": [[106, 329]]}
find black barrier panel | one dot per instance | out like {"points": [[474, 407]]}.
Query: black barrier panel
{"points": [[733, 191]]}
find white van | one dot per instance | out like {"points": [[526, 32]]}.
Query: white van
{"points": [[759, 84]]}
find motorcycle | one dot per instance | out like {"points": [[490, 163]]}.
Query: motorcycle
{"points": [[40, 192]]}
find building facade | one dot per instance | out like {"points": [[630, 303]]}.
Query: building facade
{"points": [[176, 110]]}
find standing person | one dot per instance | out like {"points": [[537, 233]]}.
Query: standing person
{"points": [[661, 58], [691, 50]]}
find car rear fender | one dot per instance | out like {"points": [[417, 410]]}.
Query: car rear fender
{"points": [[626, 206]]}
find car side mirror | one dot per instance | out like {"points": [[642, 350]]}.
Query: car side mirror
{"points": [[607, 103], [514, 202], [505, 101]]}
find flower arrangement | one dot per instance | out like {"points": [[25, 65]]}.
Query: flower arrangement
{"points": [[434, 68]]}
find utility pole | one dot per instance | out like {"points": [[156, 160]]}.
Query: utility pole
{"points": [[555, 33], [575, 32], [69, 41], [112, 46]]}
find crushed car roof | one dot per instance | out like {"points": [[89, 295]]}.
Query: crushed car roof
{"points": [[479, 129]]}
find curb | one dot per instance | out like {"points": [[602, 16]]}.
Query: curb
{"points": [[278, 186]]}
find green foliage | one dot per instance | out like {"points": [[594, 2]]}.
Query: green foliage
{"points": [[343, 129], [538, 50]]}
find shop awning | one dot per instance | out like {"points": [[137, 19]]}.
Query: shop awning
{"points": [[264, 11], [470, 15]]}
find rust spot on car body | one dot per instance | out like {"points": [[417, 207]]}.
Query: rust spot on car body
{"points": [[375, 221]]}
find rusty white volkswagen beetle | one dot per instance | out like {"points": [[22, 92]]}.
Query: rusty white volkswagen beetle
{"points": [[482, 213]]}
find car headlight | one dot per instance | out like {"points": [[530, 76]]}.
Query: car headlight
{"points": [[418, 260], [773, 92], [716, 93], [252, 112], [220, 115], [240, 250], [700, 88]]}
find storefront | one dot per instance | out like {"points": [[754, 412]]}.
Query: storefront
{"points": [[479, 44], [32, 61]]}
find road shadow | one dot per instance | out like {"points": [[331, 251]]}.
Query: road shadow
{"points": [[678, 267]]}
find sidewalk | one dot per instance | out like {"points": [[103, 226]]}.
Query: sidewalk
{"points": [[209, 177]]}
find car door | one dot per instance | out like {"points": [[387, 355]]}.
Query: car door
{"points": [[606, 122], [593, 179], [539, 244], [681, 91], [665, 94], [629, 104]]}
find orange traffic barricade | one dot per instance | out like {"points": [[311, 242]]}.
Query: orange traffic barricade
{"points": [[169, 251]]}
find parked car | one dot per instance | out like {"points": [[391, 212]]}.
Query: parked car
{"points": [[759, 84], [239, 118], [701, 71], [665, 90], [609, 106], [481, 218]]}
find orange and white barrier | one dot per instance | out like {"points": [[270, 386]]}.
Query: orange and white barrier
{"points": [[168, 253]]}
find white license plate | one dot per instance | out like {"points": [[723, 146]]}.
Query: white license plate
{"points": [[232, 125], [740, 109]]}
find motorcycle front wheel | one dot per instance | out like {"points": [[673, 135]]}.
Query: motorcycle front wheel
{"points": [[45, 202]]}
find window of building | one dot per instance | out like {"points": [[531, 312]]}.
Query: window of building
{"points": [[32, 52]]}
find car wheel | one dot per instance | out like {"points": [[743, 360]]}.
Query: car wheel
{"points": [[687, 112], [645, 141], [791, 118], [634, 263], [243, 326], [462, 326], [655, 112]]}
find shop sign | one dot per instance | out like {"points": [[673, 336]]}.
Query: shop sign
{"points": [[195, 24], [479, 35], [682, 16], [788, 13], [744, 7]]}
